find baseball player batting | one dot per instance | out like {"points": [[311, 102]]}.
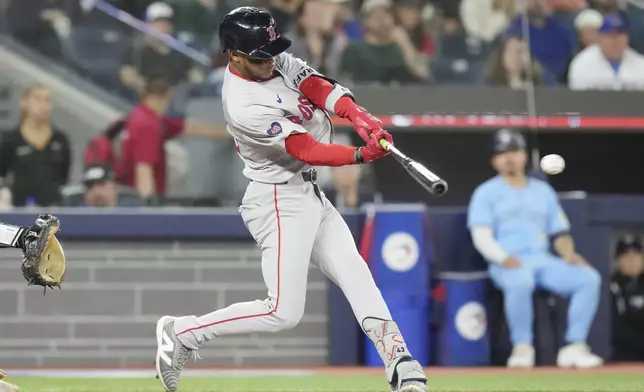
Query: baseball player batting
{"points": [[277, 109]]}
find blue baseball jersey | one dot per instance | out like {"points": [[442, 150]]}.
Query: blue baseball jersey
{"points": [[523, 219]]}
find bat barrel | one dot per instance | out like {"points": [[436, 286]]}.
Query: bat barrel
{"points": [[439, 188]]}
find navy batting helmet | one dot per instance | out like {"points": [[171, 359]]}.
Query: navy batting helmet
{"points": [[508, 140], [252, 32]]}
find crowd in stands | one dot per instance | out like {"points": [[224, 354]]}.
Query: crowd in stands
{"points": [[584, 44]]}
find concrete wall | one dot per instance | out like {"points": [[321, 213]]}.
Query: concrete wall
{"points": [[114, 293]]}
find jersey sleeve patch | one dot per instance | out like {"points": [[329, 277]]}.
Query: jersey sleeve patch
{"points": [[275, 129]]}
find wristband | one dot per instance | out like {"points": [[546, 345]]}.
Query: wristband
{"points": [[358, 155]]}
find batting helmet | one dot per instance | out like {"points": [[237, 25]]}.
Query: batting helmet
{"points": [[252, 32], [508, 140]]}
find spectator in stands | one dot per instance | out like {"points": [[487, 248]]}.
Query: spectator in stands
{"points": [[100, 190], [606, 6], [610, 64], [36, 155], [514, 221], [587, 24], [511, 65], [550, 41], [285, 11], [386, 54], [627, 287], [450, 9], [635, 12], [566, 10], [461, 57], [408, 15], [32, 23], [318, 36], [143, 157], [486, 19], [149, 56]]}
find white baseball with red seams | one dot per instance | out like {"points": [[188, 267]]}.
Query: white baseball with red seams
{"points": [[292, 222]]}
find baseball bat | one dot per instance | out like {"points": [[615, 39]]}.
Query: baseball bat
{"points": [[428, 180]]}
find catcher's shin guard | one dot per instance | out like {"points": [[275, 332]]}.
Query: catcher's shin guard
{"points": [[172, 355]]}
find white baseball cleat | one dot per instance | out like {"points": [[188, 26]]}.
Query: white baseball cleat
{"points": [[172, 355], [407, 376], [578, 355], [522, 357]]}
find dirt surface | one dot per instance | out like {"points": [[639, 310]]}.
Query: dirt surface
{"points": [[627, 368], [610, 369]]}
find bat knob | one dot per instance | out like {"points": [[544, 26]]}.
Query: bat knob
{"points": [[439, 188]]}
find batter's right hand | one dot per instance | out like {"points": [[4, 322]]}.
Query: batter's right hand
{"points": [[380, 134], [371, 152], [511, 262]]}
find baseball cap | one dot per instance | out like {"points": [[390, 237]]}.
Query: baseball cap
{"points": [[589, 18], [97, 173], [371, 5], [158, 10], [507, 139], [626, 244], [614, 23]]}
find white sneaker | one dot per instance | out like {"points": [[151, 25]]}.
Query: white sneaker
{"points": [[578, 355], [522, 357]]}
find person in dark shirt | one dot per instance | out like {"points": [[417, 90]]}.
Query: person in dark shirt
{"points": [[148, 56], [100, 190], [31, 23], [35, 154], [627, 287], [386, 54]]}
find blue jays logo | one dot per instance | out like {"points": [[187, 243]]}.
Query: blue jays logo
{"points": [[275, 129]]}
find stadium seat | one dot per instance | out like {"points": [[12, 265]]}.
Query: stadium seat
{"points": [[550, 321]]}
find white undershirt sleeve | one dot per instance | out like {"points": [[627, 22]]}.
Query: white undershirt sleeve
{"points": [[488, 247]]}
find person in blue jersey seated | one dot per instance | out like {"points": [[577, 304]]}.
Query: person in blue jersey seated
{"points": [[100, 190], [520, 228]]}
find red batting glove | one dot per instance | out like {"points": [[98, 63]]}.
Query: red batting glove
{"points": [[371, 152], [380, 134], [362, 120]]}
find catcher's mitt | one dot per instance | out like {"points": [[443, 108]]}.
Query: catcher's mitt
{"points": [[44, 260]]}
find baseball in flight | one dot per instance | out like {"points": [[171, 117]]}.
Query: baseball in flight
{"points": [[552, 164]]}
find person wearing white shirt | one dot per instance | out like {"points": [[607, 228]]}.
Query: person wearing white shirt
{"points": [[610, 64]]}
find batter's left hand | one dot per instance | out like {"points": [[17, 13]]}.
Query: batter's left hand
{"points": [[576, 258]]}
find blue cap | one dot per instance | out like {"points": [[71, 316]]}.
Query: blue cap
{"points": [[614, 23]]}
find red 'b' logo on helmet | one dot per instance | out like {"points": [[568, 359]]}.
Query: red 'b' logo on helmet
{"points": [[272, 35]]}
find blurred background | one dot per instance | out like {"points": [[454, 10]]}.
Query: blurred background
{"points": [[441, 74]]}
